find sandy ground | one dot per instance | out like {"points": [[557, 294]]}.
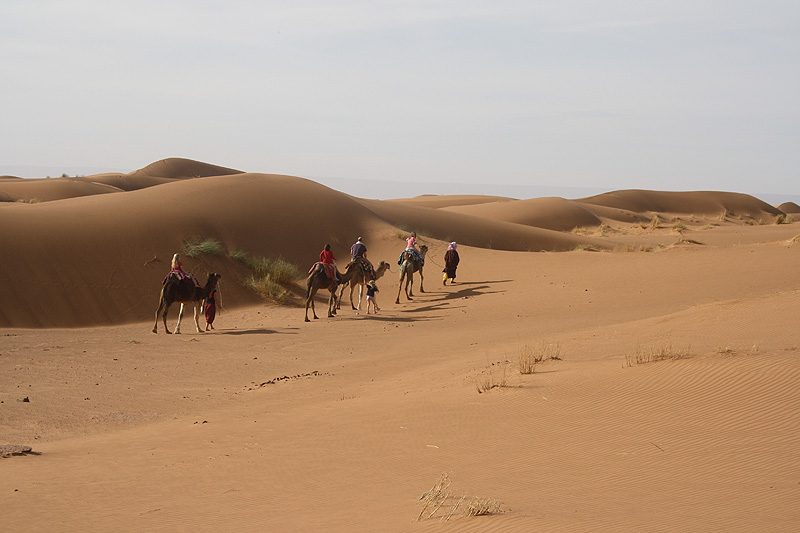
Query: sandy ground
{"points": [[347, 423]]}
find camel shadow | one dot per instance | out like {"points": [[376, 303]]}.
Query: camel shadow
{"points": [[467, 292], [260, 331]]}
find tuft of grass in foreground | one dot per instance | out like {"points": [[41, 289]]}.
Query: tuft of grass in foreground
{"points": [[440, 495], [655, 353], [197, 246], [269, 275], [530, 356], [489, 378]]}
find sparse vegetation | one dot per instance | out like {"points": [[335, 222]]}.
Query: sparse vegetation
{"points": [[530, 356], [197, 246], [724, 214], [492, 377], [602, 230], [435, 499], [632, 248], [269, 275], [655, 353], [655, 222], [679, 227], [583, 247]]}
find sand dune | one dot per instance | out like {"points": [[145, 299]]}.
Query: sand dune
{"points": [[789, 208], [671, 405]]}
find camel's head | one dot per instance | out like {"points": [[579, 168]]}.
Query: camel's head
{"points": [[213, 278], [423, 249]]}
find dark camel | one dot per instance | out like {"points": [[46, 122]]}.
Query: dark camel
{"points": [[317, 280], [183, 292], [407, 269], [360, 278]]}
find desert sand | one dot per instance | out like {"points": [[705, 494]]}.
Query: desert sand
{"points": [[667, 398]]}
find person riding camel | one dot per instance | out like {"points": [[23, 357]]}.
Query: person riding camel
{"points": [[358, 254], [358, 250], [176, 270], [411, 246], [327, 259]]}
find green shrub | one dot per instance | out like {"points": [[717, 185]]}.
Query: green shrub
{"points": [[196, 247]]}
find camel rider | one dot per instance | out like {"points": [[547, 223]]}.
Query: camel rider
{"points": [[358, 253], [327, 260], [358, 250], [411, 246], [177, 270]]}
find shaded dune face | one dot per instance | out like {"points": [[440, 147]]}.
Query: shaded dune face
{"points": [[106, 240]]}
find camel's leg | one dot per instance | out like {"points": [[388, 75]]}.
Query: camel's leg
{"points": [[339, 301], [197, 316], [410, 285], [178, 325], [310, 300], [352, 288], [158, 315], [360, 295], [332, 304], [420, 280], [400, 287]]}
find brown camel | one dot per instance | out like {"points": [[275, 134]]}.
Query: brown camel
{"points": [[317, 280], [408, 266], [360, 279], [183, 292]]}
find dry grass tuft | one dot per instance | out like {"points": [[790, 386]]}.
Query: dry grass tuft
{"points": [[530, 356], [655, 222], [679, 227], [435, 499], [633, 248], [492, 377], [794, 240], [724, 214], [655, 353]]}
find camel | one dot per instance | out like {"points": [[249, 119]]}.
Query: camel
{"points": [[360, 278], [183, 292], [407, 269], [317, 279]]}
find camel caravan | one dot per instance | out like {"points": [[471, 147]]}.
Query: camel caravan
{"points": [[181, 287]]}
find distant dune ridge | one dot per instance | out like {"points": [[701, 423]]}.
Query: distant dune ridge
{"points": [[93, 250]]}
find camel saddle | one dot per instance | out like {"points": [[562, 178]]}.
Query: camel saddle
{"points": [[366, 266]]}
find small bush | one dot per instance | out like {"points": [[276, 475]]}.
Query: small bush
{"points": [[530, 356], [655, 222], [440, 494], [197, 247], [655, 353], [679, 226], [266, 288], [488, 380], [724, 214], [780, 219]]}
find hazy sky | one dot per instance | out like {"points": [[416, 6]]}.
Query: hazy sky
{"points": [[669, 95]]}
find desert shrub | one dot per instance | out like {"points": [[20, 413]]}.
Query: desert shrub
{"points": [[679, 226], [632, 248], [266, 288], [492, 377], [197, 246], [269, 274], [655, 222], [655, 353], [780, 219], [278, 270], [530, 356], [724, 214], [440, 495]]}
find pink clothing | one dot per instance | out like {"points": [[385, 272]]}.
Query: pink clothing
{"points": [[412, 242]]}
